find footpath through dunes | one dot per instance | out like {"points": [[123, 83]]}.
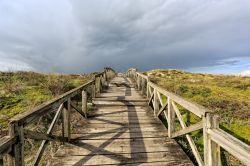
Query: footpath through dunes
{"points": [[121, 130]]}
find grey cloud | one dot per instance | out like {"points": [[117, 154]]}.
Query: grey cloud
{"points": [[83, 36]]}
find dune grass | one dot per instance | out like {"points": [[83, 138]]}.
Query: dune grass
{"points": [[228, 96], [21, 91]]}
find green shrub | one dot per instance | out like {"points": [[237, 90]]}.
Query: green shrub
{"points": [[183, 89], [57, 84]]}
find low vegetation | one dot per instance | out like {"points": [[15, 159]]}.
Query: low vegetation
{"points": [[21, 91], [228, 96]]}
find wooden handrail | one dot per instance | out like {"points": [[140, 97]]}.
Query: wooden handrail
{"points": [[30, 115], [13, 145], [231, 144], [213, 136], [193, 107]]}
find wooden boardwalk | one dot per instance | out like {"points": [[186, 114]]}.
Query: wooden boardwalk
{"points": [[121, 130]]}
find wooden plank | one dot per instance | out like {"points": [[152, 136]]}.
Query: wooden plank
{"points": [[81, 151], [126, 98], [117, 125], [125, 135], [189, 129], [120, 103], [130, 129], [124, 159], [123, 118], [122, 121]]}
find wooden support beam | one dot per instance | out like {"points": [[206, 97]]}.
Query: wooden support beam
{"points": [[80, 112], [194, 127], [147, 88], [156, 103], [16, 158], [41, 136], [162, 109], [189, 138], [160, 99], [66, 119], [44, 142], [93, 90], [84, 103], [150, 99], [171, 118]]}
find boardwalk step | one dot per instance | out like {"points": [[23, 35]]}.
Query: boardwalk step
{"points": [[128, 99], [122, 159], [118, 103]]}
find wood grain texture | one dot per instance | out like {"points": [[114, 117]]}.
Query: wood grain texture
{"points": [[121, 129]]}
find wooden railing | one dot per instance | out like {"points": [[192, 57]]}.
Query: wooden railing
{"points": [[12, 146], [213, 136]]}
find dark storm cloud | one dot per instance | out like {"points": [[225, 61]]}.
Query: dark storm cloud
{"points": [[80, 36]]}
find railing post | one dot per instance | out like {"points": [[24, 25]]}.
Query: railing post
{"points": [[97, 85], [93, 90], [66, 119], [171, 118], [147, 86], [17, 155], [84, 103], [138, 82], [211, 149], [156, 103]]}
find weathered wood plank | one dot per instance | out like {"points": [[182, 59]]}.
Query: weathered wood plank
{"points": [[189, 129], [84, 103], [124, 159], [126, 98], [194, 108], [120, 134], [122, 103], [234, 146]]}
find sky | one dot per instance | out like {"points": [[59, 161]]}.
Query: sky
{"points": [[79, 36]]}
